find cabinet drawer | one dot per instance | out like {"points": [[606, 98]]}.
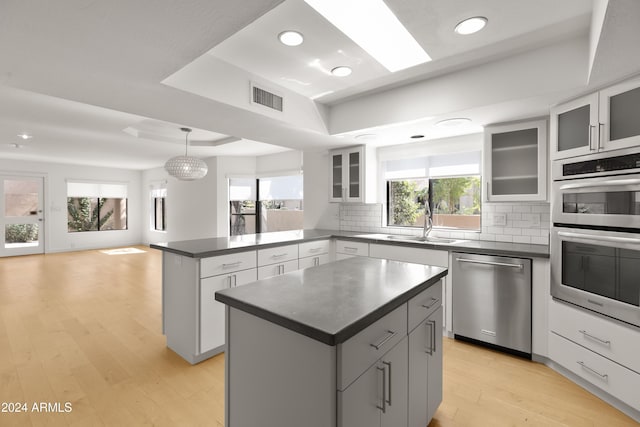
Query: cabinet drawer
{"points": [[352, 248], [422, 305], [410, 254], [362, 350], [223, 264], [599, 371], [610, 339], [277, 269], [313, 261], [308, 249], [277, 255]]}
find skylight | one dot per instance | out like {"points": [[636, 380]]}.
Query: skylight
{"points": [[372, 25]]}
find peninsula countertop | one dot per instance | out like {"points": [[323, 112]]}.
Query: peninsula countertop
{"points": [[203, 248], [333, 302]]}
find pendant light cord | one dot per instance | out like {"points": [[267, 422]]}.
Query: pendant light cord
{"points": [[186, 141]]}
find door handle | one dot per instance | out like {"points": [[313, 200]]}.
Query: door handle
{"points": [[499, 264], [383, 408], [434, 301], [390, 334], [432, 337], [388, 381], [593, 337], [603, 377], [600, 135]]}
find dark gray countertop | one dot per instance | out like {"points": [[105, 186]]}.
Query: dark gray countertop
{"points": [[204, 248], [333, 302]]}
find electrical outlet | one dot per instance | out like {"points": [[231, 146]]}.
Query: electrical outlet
{"points": [[500, 219]]}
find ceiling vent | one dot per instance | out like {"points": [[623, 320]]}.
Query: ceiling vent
{"points": [[266, 98]]}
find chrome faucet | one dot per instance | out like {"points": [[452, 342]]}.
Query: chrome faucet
{"points": [[428, 222]]}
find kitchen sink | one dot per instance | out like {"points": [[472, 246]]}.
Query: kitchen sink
{"points": [[428, 239], [419, 239]]}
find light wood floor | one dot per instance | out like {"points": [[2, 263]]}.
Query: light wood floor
{"points": [[85, 328]]}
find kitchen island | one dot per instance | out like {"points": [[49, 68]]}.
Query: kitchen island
{"points": [[350, 343]]}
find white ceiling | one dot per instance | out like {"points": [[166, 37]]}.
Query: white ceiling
{"points": [[306, 69], [77, 74]]}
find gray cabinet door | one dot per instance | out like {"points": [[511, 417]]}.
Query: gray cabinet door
{"points": [[434, 381], [425, 370], [396, 364], [418, 375], [379, 396], [358, 404]]}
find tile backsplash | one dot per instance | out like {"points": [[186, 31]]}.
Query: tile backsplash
{"points": [[501, 222]]}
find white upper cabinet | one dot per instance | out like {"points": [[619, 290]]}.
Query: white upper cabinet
{"points": [[602, 121], [352, 175], [515, 162]]}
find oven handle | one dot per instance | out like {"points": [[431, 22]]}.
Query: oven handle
{"points": [[611, 183], [611, 239]]}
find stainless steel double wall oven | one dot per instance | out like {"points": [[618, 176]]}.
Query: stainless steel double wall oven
{"points": [[595, 238]]}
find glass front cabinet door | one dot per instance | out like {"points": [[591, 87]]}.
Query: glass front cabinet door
{"points": [[515, 162], [602, 121], [347, 175]]}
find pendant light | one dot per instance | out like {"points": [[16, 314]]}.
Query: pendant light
{"points": [[186, 168]]}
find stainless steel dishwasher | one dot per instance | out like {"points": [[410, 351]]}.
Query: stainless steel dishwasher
{"points": [[492, 301]]}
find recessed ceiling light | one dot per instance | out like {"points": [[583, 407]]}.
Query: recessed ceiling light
{"points": [[341, 71], [455, 122], [417, 136], [373, 27], [25, 136], [471, 25], [291, 38]]}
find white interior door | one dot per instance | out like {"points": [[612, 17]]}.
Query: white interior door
{"points": [[21, 215]]}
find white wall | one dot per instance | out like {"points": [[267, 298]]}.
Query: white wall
{"points": [[279, 164], [57, 238], [195, 209], [191, 208], [318, 212]]}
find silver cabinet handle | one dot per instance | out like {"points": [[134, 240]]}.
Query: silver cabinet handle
{"points": [[591, 128], [232, 264], [499, 264], [604, 377], [383, 341], [612, 239], [389, 381], [383, 408], [432, 337], [315, 250], [316, 261], [232, 280], [600, 136], [350, 249], [279, 255], [434, 302], [599, 184], [593, 337]]}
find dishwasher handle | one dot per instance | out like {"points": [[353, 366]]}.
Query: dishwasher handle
{"points": [[499, 264]]}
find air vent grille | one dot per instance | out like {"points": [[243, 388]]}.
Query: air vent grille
{"points": [[268, 99]]}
